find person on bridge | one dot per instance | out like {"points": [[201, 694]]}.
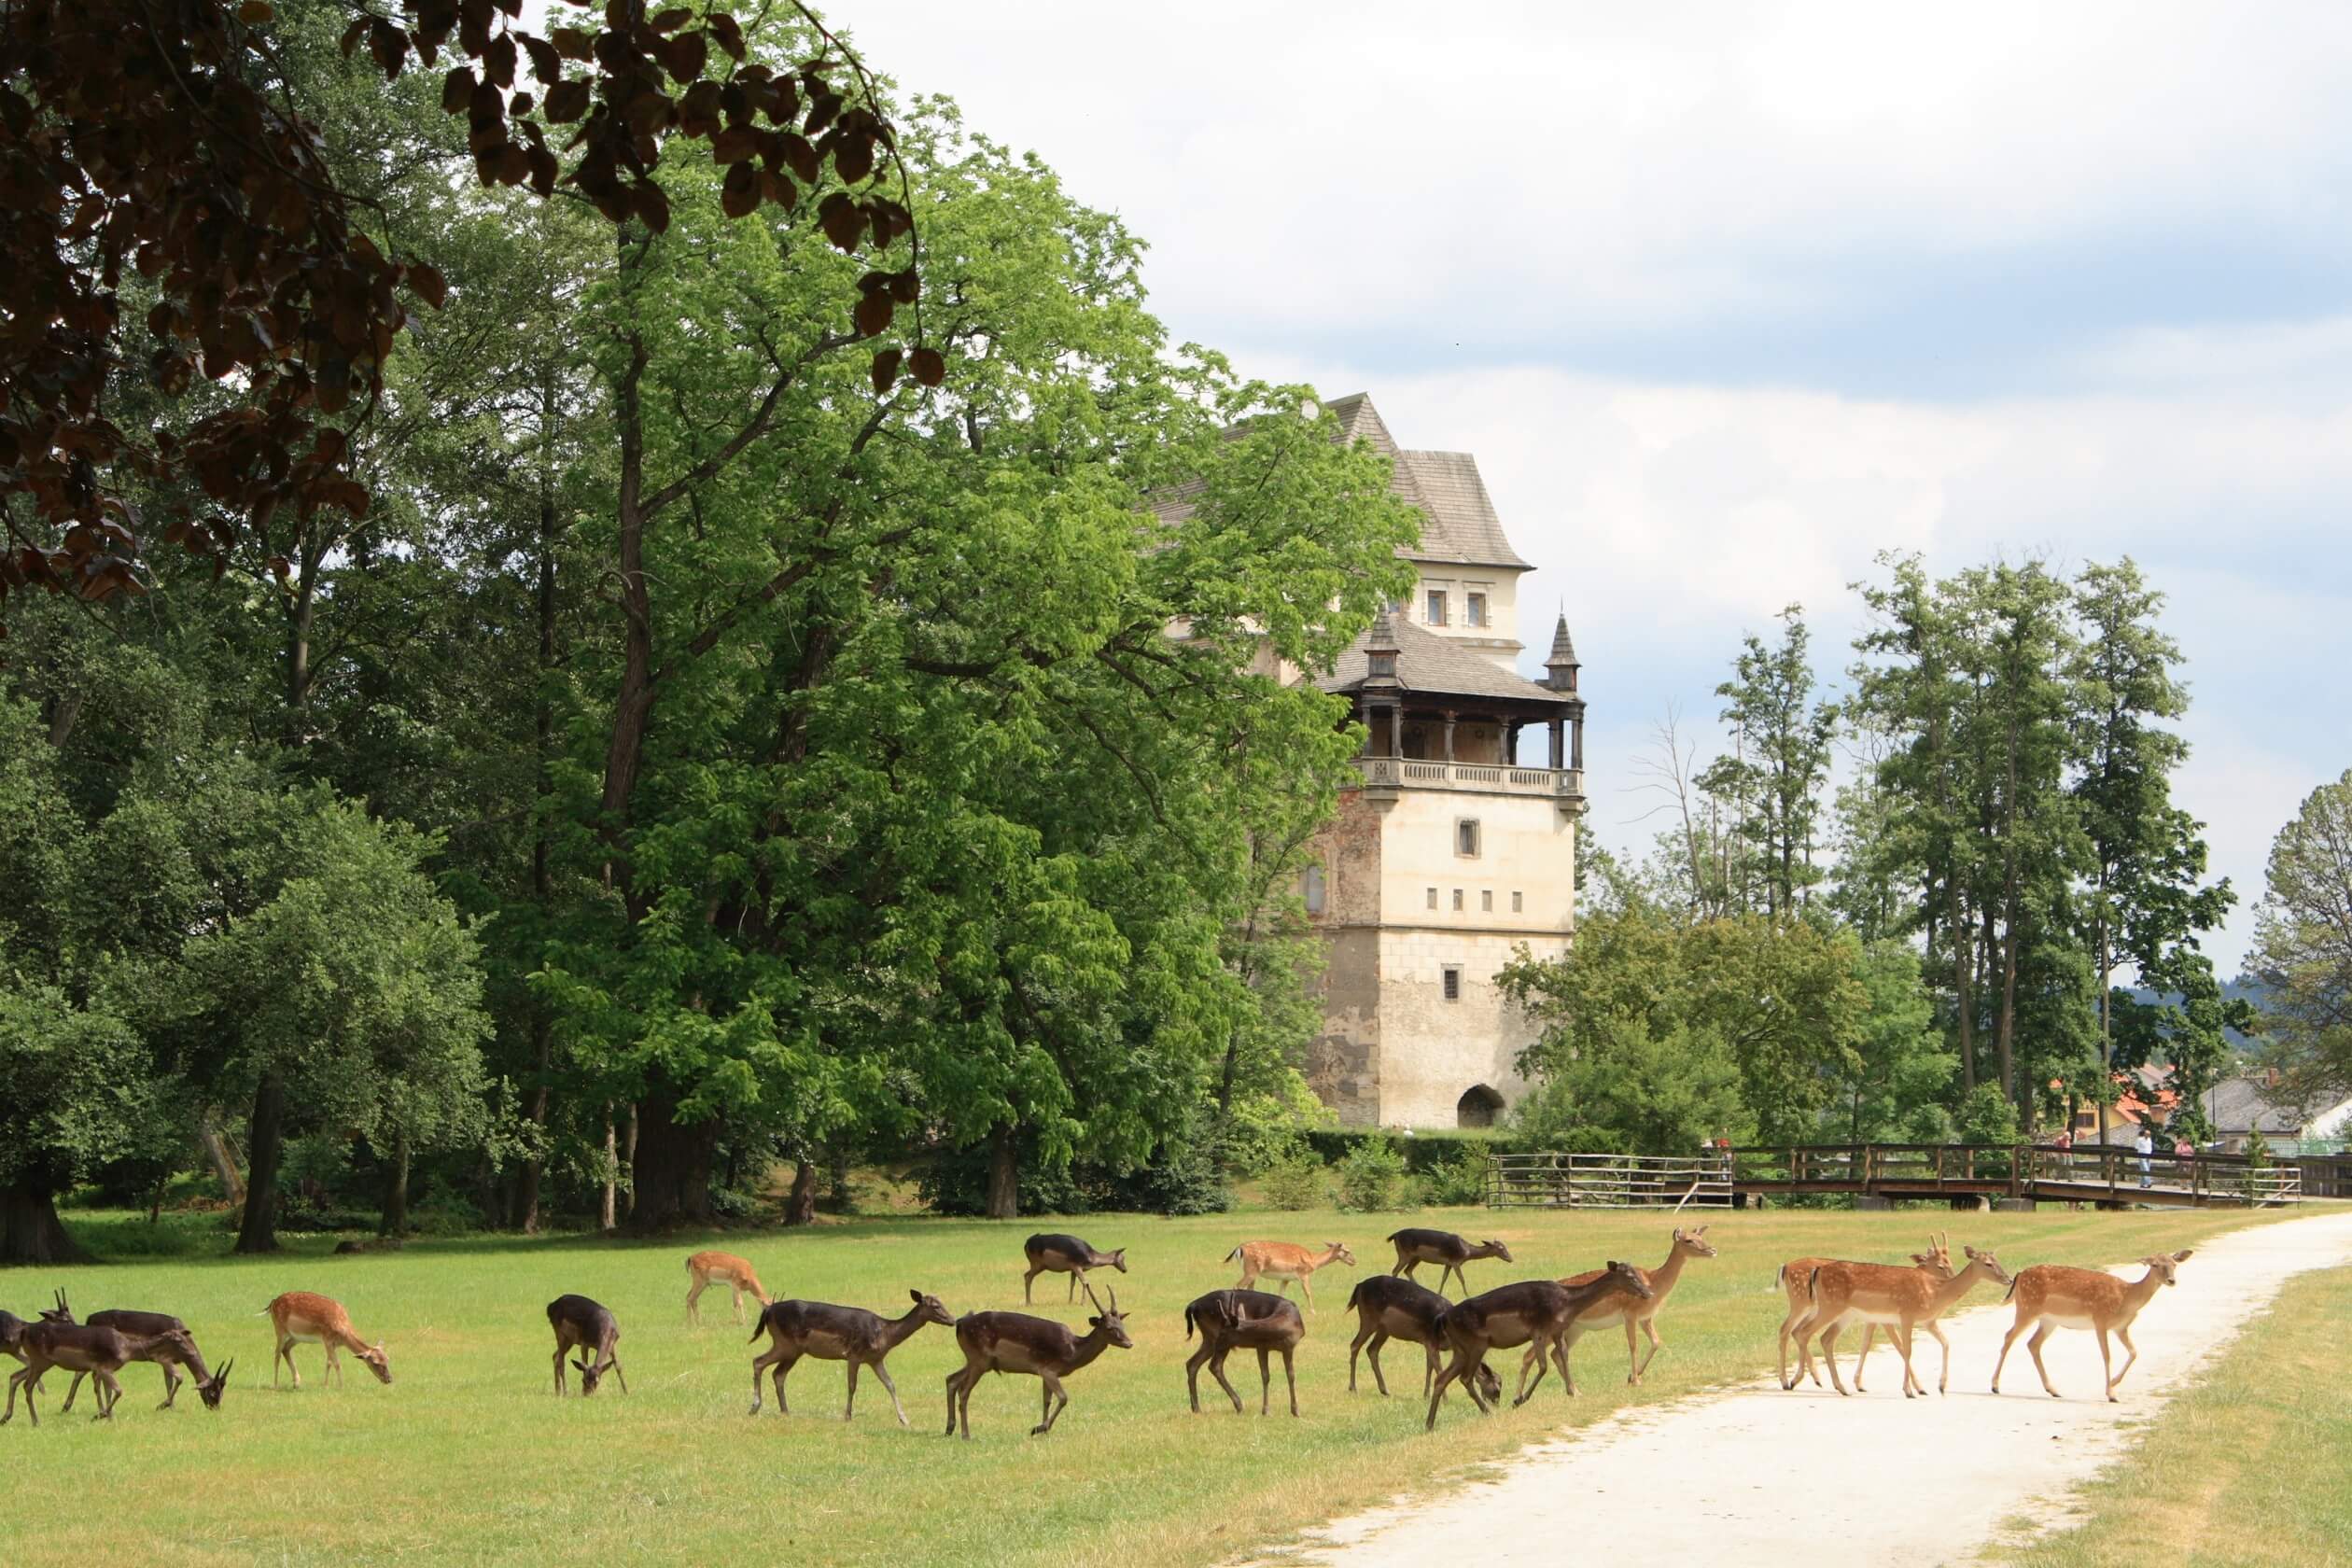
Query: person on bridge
{"points": [[2144, 1146]]}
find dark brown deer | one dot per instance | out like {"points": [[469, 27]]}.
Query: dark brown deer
{"points": [[1534, 1312], [1066, 1255], [1390, 1308], [845, 1334], [581, 1324], [1243, 1319], [1444, 1249], [1045, 1350], [12, 1327], [165, 1340], [58, 1341]]}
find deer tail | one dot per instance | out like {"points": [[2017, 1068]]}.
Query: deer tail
{"points": [[1812, 1287], [1235, 1253], [2013, 1290], [1188, 1325], [758, 1328], [1780, 1277]]}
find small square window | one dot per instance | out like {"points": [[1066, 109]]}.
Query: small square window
{"points": [[1433, 898], [1457, 900], [1453, 983], [1486, 900], [1466, 836], [1436, 608], [1515, 905], [1474, 609]]}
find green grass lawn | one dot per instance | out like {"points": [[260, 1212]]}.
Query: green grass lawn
{"points": [[468, 1457], [2249, 1468]]}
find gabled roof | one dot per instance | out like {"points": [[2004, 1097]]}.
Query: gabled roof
{"points": [[2248, 1105], [1459, 523], [1431, 665]]}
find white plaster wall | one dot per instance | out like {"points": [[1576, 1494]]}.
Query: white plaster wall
{"points": [[1499, 638], [1432, 1050], [1527, 845]]}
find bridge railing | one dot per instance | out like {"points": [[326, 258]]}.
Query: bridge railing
{"points": [[1573, 1180]]}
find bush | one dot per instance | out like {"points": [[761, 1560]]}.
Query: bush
{"points": [[1461, 1181], [1296, 1179], [1370, 1178]]}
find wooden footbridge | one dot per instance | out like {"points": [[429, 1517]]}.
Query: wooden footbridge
{"points": [[1891, 1172]]}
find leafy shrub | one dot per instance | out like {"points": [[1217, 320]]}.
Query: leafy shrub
{"points": [[1370, 1178], [1461, 1181], [1296, 1179]]}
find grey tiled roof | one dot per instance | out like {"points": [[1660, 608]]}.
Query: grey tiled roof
{"points": [[2245, 1105], [1429, 664]]}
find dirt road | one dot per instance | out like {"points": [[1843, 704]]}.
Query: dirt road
{"points": [[1754, 1474]]}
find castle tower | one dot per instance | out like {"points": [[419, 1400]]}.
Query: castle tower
{"points": [[1453, 853]]}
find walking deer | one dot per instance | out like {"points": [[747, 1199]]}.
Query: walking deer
{"points": [[1243, 1319], [2050, 1296], [1905, 1298], [1039, 1346], [165, 1340], [705, 1270], [845, 1334], [581, 1323], [1794, 1277], [302, 1317], [1286, 1261], [1388, 1307], [1532, 1312], [1444, 1248], [1637, 1310], [1066, 1255], [58, 1341], [12, 1327]]}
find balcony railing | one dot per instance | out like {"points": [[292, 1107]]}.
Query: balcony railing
{"points": [[1412, 772]]}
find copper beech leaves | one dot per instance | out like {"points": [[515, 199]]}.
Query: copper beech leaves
{"points": [[155, 138]]}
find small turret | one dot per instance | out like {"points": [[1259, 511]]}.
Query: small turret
{"points": [[1380, 651], [1561, 663]]}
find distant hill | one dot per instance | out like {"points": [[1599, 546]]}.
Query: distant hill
{"points": [[2244, 988]]}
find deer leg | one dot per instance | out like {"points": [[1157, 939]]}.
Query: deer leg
{"points": [[1216, 1370], [738, 1286], [851, 1408], [1026, 1280], [2032, 1348], [1265, 1384], [1788, 1325], [1649, 1331], [693, 1300], [1056, 1400], [2007, 1341], [1869, 1331], [955, 1381], [1077, 1278], [14, 1379], [1198, 1359], [2132, 1354], [1363, 1332], [559, 1372], [1534, 1361], [2107, 1364], [1437, 1390], [1943, 1379], [784, 1364], [892, 1389], [1453, 1272], [1289, 1375], [71, 1388], [1307, 1288], [1903, 1347], [620, 1377], [760, 1363], [1830, 1355], [963, 1402], [108, 1392], [171, 1387]]}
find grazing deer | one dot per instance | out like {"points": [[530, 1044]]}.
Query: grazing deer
{"points": [[709, 1269], [1286, 1261], [1534, 1312], [1066, 1255], [301, 1317], [1844, 1293], [2050, 1296], [1797, 1274], [845, 1334], [1243, 1319], [58, 1340], [165, 1340], [1390, 1308], [1045, 1350], [1642, 1311], [581, 1324], [1444, 1248]]}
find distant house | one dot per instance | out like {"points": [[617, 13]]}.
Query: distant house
{"points": [[2244, 1108], [2142, 1097]]}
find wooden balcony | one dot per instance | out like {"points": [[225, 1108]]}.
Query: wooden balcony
{"points": [[1484, 778]]}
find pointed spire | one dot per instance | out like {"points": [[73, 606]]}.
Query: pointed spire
{"points": [[1380, 650], [1562, 660]]}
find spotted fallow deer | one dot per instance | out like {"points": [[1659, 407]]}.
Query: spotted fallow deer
{"points": [[302, 1317], [845, 1334], [1631, 1310], [1066, 1255], [581, 1323], [705, 1270], [1390, 1308], [1285, 1261], [1444, 1249], [1039, 1346], [1796, 1275], [2050, 1298], [1532, 1312], [1243, 1319], [165, 1340], [1904, 1299]]}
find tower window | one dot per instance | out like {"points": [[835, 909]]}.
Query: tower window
{"points": [[1453, 982], [1486, 900], [1457, 901], [1474, 609], [1311, 887], [1433, 898], [1466, 836], [1515, 905], [1436, 608]]}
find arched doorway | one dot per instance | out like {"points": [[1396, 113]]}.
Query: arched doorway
{"points": [[1477, 1107]]}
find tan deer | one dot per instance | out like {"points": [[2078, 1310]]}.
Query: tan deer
{"points": [[1903, 1298], [1285, 1261], [706, 1269], [301, 1317], [1793, 1278], [1632, 1310], [2050, 1296]]}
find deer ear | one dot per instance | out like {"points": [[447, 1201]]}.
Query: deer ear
{"points": [[2183, 1257], [916, 1296]]}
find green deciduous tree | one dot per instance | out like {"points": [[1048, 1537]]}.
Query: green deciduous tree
{"points": [[2302, 944]]}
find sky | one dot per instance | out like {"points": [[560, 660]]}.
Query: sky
{"points": [[1728, 300]]}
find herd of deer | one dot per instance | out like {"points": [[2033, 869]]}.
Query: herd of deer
{"points": [[1545, 1316]]}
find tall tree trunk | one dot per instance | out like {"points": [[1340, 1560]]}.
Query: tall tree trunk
{"points": [[799, 1208], [628, 1162], [527, 1196], [30, 1230], [217, 1149], [2106, 1019], [265, 1147], [395, 1190], [607, 1220], [1004, 1173], [1963, 996], [671, 1173]]}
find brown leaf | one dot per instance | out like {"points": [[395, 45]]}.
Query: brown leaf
{"points": [[928, 365], [801, 158], [389, 46], [573, 43], [567, 101], [905, 287], [735, 145], [457, 89], [841, 221], [428, 284], [886, 368], [352, 36], [726, 29], [671, 20], [546, 63], [872, 313], [853, 157], [740, 194], [646, 200], [498, 60], [255, 11]]}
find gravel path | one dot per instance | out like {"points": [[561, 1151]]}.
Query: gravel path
{"points": [[1754, 1475]]}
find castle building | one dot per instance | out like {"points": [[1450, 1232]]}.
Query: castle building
{"points": [[1451, 854]]}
